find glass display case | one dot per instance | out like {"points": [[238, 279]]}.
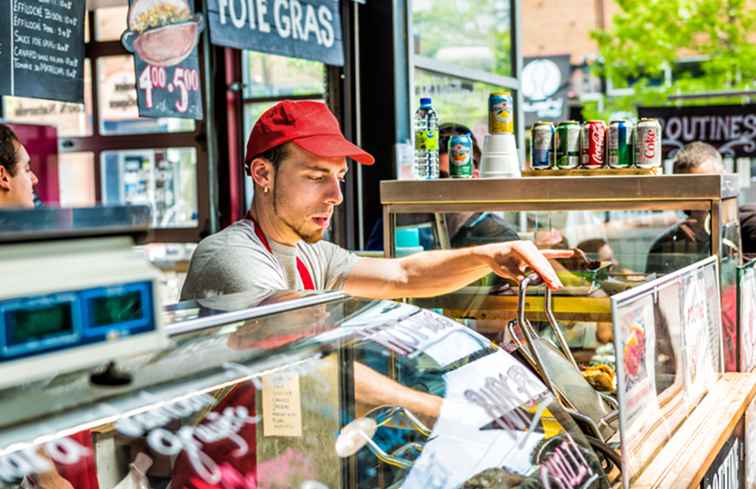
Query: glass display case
{"points": [[630, 230], [299, 390]]}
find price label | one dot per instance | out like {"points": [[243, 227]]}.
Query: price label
{"points": [[168, 79]]}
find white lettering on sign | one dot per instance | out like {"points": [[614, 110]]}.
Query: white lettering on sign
{"points": [[727, 475], [503, 398], [733, 130], [566, 467], [135, 426], [191, 439], [291, 19], [27, 462]]}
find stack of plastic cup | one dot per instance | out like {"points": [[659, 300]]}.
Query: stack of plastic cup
{"points": [[500, 159]]}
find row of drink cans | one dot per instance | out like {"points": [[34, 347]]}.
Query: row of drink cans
{"points": [[594, 145]]}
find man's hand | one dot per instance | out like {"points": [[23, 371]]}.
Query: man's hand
{"points": [[433, 273], [514, 259]]}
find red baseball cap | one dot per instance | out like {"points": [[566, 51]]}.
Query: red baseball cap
{"points": [[310, 125]]}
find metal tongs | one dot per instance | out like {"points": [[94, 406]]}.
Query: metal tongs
{"points": [[532, 354], [360, 432]]}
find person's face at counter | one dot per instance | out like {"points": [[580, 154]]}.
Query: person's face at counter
{"points": [[18, 188], [305, 189]]}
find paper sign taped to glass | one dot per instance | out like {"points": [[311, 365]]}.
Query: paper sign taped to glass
{"points": [[498, 421]]}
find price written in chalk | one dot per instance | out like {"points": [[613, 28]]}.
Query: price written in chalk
{"points": [[157, 78]]}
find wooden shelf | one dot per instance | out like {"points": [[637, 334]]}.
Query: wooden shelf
{"points": [[600, 172], [468, 303]]}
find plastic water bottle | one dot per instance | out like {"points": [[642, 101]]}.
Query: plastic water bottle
{"points": [[426, 141]]}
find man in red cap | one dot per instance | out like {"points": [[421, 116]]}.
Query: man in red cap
{"points": [[296, 156]]}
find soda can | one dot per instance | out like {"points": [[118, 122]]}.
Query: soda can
{"points": [[460, 156], [542, 146], [500, 113], [592, 145], [648, 150], [619, 144], [567, 145]]}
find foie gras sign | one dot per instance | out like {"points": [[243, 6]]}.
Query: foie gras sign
{"points": [[163, 36], [308, 29]]}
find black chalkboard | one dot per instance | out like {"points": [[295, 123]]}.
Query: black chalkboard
{"points": [[308, 29], [728, 469], [729, 128], [167, 80], [42, 49]]}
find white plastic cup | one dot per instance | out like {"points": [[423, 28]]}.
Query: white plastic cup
{"points": [[499, 143], [500, 158]]}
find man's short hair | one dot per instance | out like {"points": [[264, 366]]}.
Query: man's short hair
{"points": [[8, 149], [695, 155], [275, 155]]}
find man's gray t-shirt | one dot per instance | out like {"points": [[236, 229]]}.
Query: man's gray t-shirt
{"points": [[235, 260]]}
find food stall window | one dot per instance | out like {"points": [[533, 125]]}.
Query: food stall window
{"points": [[462, 101], [71, 120], [110, 23], [267, 75], [268, 79], [76, 176], [164, 179], [464, 33], [117, 101]]}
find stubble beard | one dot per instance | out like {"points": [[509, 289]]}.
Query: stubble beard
{"points": [[298, 229]]}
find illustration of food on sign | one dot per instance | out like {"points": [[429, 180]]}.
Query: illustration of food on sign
{"points": [[162, 32], [634, 353]]}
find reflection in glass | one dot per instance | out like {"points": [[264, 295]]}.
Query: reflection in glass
{"points": [[72, 120], [469, 33], [77, 179], [456, 100], [117, 101], [164, 179], [110, 23], [268, 75]]}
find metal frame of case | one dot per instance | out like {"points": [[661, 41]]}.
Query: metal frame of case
{"points": [[670, 192]]}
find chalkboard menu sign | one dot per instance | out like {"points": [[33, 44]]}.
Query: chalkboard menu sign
{"points": [[728, 470], [308, 29], [42, 49], [163, 36]]}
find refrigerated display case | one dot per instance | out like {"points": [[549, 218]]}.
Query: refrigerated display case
{"points": [[299, 390], [635, 228]]}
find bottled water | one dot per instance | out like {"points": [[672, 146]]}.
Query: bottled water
{"points": [[426, 141]]}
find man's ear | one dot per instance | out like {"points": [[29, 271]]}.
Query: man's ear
{"points": [[261, 171], [5, 179]]}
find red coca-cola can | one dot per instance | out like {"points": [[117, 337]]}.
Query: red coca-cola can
{"points": [[593, 145], [648, 144]]}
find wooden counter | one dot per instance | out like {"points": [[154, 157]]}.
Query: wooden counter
{"points": [[683, 462]]}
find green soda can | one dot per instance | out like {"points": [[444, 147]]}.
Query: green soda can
{"points": [[619, 144], [460, 156], [567, 145]]}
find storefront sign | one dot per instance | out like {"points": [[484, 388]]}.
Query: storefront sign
{"points": [[42, 49], [727, 471], [163, 36], [308, 29], [729, 128], [545, 80]]}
